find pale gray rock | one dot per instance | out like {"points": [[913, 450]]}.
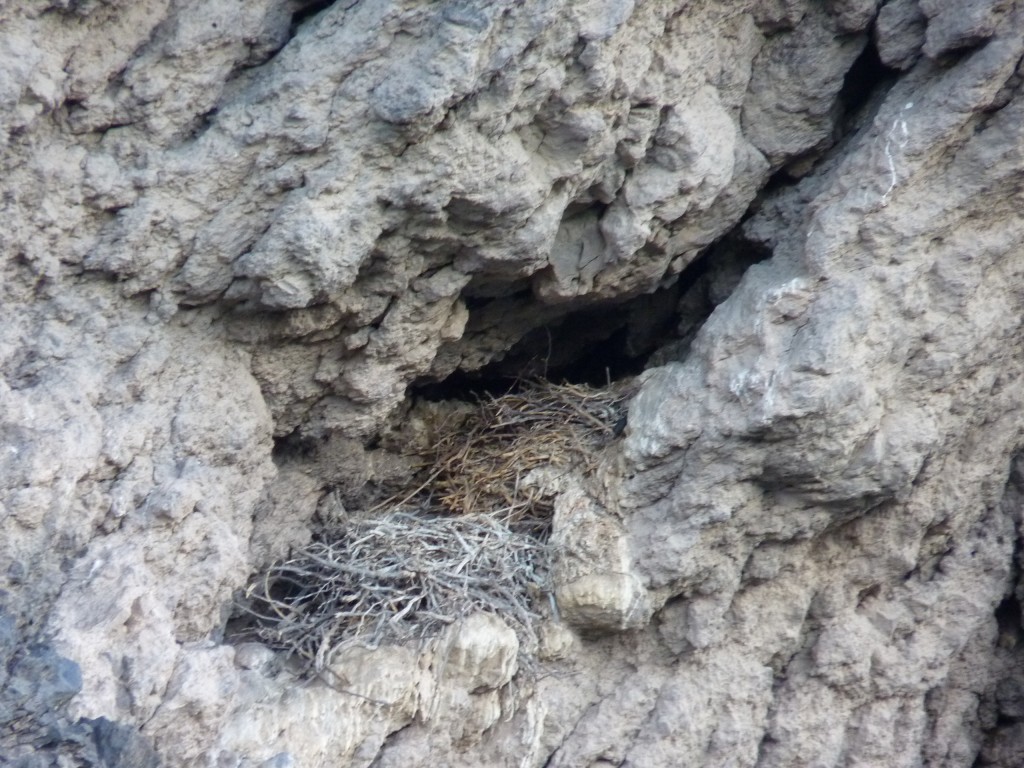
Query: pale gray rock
{"points": [[595, 583], [952, 28], [900, 33], [234, 235], [791, 107]]}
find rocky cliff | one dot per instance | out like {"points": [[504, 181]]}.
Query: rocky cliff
{"points": [[251, 250]]}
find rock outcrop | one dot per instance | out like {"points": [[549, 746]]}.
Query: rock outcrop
{"points": [[237, 237]]}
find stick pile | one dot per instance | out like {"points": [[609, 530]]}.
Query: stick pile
{"points": [[470, 536], [482, 466], [397, 578]]}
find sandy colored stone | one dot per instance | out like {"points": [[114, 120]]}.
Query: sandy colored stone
{"points": [[233, 238]]}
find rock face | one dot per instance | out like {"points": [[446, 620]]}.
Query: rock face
{"points": [[234, 235]]}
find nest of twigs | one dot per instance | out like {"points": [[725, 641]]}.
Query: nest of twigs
{"points": [[484, 464], [469, 536], [401, 577]]}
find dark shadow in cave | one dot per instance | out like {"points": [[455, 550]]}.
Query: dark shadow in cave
{"points": [[1008, 618], [293, 448], [305, 9], [864, 78], [864, 87], [601, 344]]}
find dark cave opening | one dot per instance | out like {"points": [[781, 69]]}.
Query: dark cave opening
{"points": [[784, 177], [588, 347], [863, 78], [867, 79], [601, 344], [304, 9], [1008, 619], [293, 447], [593, 346]]}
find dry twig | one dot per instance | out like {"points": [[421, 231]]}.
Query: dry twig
{"points": [[418, 568], [484, 465], [396, 578]]}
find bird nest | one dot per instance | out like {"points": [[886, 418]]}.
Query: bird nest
{"points": [[504, 458], [470, 534]]}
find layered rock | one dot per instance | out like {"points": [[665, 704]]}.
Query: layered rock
{"points": [[227, 225]]}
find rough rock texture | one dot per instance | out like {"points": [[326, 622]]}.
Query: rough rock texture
{"points": [[229, 223]]}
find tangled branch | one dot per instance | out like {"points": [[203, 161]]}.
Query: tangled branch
{"points": [[397, 578], [485, 464], [470, 535]]}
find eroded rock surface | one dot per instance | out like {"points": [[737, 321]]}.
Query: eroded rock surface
{"points": [[235, 234]]}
